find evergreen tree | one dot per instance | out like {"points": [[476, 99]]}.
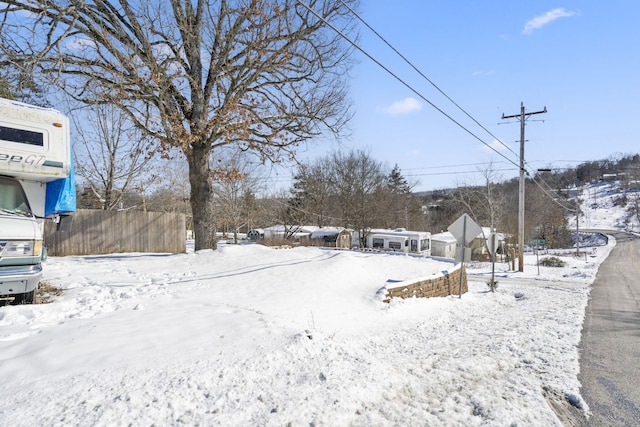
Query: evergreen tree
{"points": [[398, 184]]}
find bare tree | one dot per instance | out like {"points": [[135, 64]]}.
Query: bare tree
{"points": [[359, 183], [18, 83], [166, 187], [110, 153], [546, 216], [263, 75], [483, 202], [352, 190], [234, 185], [442, 209]]}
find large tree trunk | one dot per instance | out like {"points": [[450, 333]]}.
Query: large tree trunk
{"points": [[259, 76], [204, 225]]}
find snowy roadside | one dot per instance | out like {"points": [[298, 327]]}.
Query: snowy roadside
{"points": [[249, 335]]}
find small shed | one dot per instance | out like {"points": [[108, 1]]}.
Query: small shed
{"points": [[443, 245], [332, 237]]}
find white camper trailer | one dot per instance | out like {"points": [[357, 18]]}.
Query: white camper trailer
{"points": [[400, 240], [36, 182]]}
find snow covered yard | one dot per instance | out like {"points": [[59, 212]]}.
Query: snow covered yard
{"points": [[251, 336]]}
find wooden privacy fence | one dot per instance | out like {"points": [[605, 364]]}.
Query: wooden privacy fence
{"points": [[96, 232]]}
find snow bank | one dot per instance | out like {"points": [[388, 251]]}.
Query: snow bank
{"points": [[250, 335]]}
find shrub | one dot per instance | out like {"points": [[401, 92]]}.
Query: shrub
{"points": [[620, 200], [495, 284], [552, 261]]}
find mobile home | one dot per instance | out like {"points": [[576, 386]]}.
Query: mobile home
{"points": [[400, 240]]}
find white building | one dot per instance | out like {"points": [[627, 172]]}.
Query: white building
{"points": [[400, 240], [443, 245]]}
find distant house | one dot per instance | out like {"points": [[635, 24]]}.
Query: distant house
{"points": [[572, 191], [444, 244], [479, 244], [332, 237]]}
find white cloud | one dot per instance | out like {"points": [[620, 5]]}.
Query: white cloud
{"points": [[80, 43], [495, 146], [405, 106], [542, 20], [483, 73]]}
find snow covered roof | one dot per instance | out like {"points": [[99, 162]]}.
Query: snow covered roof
{"points": [[294, 228], [445, 237], [486, 232], [398, 232], [326, 231]]}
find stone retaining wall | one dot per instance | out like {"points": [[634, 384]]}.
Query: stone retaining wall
{"points": [[446, 284]]}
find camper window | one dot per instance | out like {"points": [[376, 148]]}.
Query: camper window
{"points": [[395, 246], [21, 136], [378, 243]]}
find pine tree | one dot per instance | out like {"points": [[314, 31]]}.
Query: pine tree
{"points": [[397, 183]]}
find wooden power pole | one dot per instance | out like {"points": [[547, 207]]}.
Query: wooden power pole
{"points": [[522, 116]]}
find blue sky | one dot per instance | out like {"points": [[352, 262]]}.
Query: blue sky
{"points": [[579, 59]]}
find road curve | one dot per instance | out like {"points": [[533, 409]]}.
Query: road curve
{"points": [[610, 343]]}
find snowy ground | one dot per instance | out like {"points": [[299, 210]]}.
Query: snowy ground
{"points": [[600, 210], [253, 336]]}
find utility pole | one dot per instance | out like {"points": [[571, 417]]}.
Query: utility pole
{"points": [[522, 116]]}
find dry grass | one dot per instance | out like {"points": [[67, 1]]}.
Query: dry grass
{"points": [[44, 294], [45, 291]]}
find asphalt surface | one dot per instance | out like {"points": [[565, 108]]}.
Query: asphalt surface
{"points": [[610, 344]]}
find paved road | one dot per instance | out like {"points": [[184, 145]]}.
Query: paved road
{"points": [[610, 345]]}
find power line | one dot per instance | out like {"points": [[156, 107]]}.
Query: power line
{"points": [[408, 86], [452, 166], [452, 101], [355, 45], [458, 172], [424, 76], [306, 212], [553, 197]]}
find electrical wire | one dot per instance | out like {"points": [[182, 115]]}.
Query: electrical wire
{"points": [[456, 172], [453, 102], [553, 197], [407, 85], [453, 166], [411, 88], [425, 77]]}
